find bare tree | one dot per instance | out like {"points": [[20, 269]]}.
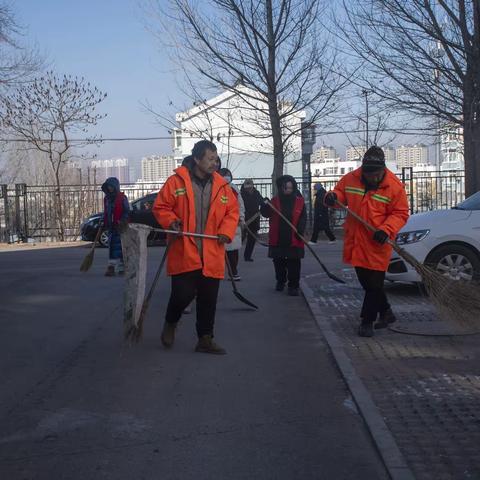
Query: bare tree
{"points": [[423, 56], [275, 48], [45, 113], [17, 63]]}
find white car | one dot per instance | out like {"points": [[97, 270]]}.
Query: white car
{"points": [[447, 240]]}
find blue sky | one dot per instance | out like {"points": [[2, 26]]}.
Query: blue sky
{"points": [[106, 42]]}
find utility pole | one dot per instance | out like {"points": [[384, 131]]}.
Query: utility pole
{"points": [[365, 92], [308, 141]]}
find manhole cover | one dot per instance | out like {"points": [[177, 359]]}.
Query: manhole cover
{"points": [[432, 327]]}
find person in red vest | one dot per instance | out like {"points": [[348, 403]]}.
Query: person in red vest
{"points": [[285, 247], [378, 196], [116, 210]]}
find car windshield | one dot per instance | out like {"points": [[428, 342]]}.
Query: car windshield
{"points": [[471, 203]]}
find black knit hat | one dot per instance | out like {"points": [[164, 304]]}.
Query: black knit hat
{"points": [[374, 159]]}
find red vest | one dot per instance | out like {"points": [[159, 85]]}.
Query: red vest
{"points": [[117, 209], [275, 222]]}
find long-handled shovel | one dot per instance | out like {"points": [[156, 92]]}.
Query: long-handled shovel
{"points": [[312, 251], [88, 260], [234, 286], [251, 232]]}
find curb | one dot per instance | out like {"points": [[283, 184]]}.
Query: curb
{"points": [[391, 455], [5, 248]]}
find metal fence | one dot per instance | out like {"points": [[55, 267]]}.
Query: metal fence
{"points": [[28, 212]]}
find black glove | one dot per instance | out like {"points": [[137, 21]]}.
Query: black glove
{"points": [[330, 199], [122, 225], [380, 236]]}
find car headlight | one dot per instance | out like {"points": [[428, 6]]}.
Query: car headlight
{"points": [[411, 237]]}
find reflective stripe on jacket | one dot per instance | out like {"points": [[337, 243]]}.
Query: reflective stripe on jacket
{"points": [[385, 208], [176, 201]]}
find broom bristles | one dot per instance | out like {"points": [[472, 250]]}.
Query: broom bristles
{"points": [[456, 301], [87, 262]]}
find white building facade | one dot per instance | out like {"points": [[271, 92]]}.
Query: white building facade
{"points": [[240, 128], [333, 167], [451, 147]]}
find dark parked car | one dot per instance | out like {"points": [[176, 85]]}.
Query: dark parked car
{"points": [[140, 213]]}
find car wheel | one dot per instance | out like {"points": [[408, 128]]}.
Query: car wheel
{"points": [[455, 261], [104, 240]]}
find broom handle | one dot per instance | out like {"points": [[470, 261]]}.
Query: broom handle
{"points": [[187, 234], [97, 237], [312, 251], [287, 221]]}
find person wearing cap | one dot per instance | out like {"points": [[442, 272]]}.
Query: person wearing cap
{"points": [[321, 219], [377, 195]]}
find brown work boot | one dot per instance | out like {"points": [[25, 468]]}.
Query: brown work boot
{"points": [[207, 345], [168, 334], [385, 319], [110, 272]]}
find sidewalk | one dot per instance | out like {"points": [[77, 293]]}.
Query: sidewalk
{"points": [[426, 388]]}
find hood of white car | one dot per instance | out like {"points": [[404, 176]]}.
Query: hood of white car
{"points": [[426, 220]]}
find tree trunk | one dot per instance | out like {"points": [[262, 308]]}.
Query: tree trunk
{"points": [[471, 135], [471, 129], [59, 208], [278, 154], [471, 110]]}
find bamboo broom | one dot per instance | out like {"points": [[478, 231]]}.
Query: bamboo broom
{"points": [[456, 300], [88, 260]]}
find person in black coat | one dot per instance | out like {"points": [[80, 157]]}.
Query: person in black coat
{"points": [[253, 201], [321, 220], [285, 247]]}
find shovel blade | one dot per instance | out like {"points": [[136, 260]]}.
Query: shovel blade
{"points": [[335, 278], [244, 300]]}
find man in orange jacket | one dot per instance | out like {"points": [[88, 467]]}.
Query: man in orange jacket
{"points": [[377, 195], [196, 199]]}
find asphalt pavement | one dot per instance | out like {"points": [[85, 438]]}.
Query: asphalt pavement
{"points": [[76, 403]]}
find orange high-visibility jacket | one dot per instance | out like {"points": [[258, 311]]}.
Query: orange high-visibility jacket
{"points": [[175, 201], [385, 208]]}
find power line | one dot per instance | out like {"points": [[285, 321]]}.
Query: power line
{"points": [[410, 131]]}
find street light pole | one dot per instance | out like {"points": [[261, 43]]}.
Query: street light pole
{"points": [[366, 92]]}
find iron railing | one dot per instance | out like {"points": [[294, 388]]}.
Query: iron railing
{"points": [[29, 212]]}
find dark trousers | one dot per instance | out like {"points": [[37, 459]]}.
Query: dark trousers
{"points": [[247, 254], [184, 288], [375, 300], [233, 260], [318, 227], [288, 268]]}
